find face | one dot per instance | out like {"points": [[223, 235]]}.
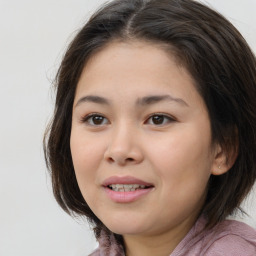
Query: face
{"points": [[140, 140]]}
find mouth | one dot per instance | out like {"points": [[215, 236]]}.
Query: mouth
{"points": [[127, 187]]}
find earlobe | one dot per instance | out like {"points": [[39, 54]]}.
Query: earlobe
{"points": [[223, 161], [219, 170]]}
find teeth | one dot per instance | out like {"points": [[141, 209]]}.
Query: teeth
{"points": [[126, 187]]}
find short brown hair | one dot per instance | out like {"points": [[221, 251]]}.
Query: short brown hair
{"points": [[217, 57]]}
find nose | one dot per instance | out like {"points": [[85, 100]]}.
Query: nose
{"points": [[124, 147]]}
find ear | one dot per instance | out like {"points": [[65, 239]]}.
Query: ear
{"points": [[223, 160]]}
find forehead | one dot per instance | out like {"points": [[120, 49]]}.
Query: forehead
{"points": [[134, 68]]}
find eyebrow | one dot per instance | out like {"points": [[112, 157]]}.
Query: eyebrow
{"points": [[158, 98], [148, 100], [93, 99]]}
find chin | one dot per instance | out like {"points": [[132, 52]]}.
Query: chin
{"points": [[126, 226]]}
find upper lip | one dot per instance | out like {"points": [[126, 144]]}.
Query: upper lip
{"points": [[125, 180]]}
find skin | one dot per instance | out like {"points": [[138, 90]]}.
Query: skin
{"points": [[175, 154]]}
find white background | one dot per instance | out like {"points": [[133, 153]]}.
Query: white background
{"points": [[33, 37]]}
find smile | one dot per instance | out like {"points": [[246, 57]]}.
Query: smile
{"points": [[126, 187]]}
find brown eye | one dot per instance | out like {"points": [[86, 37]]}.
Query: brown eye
{"points": [[95, 120], [158, 119]]}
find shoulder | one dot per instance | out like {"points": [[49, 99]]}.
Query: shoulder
{"points": [[231, 245], [230, 238]]}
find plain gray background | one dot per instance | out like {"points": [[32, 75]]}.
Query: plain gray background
{"points": [[33, 37]]}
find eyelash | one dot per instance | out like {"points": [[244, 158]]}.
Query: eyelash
{"points": [[165, 118], [88, 119]]}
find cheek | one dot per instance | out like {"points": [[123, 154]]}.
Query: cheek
{"points": [[182, 165], [86, 150], [183, 159], [86, 155]]}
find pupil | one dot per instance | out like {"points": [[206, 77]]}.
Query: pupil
{"points": [[158, 119], [97, 119]]}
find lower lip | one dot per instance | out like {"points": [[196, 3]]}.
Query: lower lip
{"points": [[126, 197]]}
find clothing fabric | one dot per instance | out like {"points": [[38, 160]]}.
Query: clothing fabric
{"points": [[228, 238]]}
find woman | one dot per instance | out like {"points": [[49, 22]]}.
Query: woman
{"points": [[154, 131]]}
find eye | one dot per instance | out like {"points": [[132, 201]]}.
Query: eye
{"points": [[95, 120], [159, 119]]}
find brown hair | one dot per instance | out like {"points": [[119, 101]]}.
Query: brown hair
{"points": [[214, 53]]}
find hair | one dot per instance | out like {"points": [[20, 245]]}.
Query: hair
{"points": [[216, 56]]}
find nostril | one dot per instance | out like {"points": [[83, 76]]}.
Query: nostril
{"points": [[129, 159], [110, 159]]}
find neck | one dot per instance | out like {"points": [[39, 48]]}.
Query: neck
{"points": [[160, 243]]}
